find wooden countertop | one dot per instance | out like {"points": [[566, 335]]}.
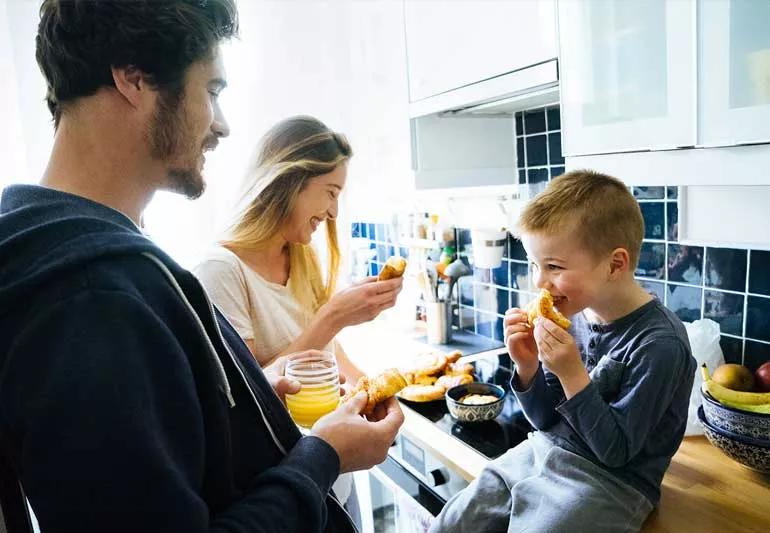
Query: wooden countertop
{"points": [[703, 490]]}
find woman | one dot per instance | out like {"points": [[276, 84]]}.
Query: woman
{"points": [[266, 277]]}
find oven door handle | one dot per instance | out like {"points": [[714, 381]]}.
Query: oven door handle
{"points": [[431, 504]]}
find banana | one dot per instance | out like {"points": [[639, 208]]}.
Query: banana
{"points": [[763, 408], [723, 394]]}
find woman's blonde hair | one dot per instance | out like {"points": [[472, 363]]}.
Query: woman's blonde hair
{"points": [[290, 154]]}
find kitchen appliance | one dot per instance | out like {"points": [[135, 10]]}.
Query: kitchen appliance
{"points": [[402, 494]]}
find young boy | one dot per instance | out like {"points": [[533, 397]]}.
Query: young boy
{"points": [[609, 396]]}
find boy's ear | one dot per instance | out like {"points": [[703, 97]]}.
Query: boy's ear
{"points": [[131, 84], [620, 262]]}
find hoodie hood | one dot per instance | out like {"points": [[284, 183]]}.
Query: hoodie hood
{"points": [[44, 231]]}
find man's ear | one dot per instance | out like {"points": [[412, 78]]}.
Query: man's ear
{"points": [[620, 262], [131, 84]]}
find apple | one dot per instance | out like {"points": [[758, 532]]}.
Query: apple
{"points": [[762, 377]]}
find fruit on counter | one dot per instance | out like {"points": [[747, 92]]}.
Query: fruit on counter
{"points": [[732, 397], [762, 378], [734, 377], [394, 268], [763, 408]]}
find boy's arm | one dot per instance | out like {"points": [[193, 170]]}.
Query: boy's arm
{"points": [[617, 430], [103, 406], [539, 400]]}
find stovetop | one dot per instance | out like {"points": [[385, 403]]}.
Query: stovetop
{"points": [[494, 437]]}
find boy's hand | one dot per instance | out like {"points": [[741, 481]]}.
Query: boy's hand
{"points": [[560, 355], [520, 344]]}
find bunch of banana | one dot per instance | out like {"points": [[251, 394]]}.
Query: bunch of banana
{"points": [[756, 402]]}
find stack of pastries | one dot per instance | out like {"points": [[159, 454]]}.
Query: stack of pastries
{"points": [[433, 374]]}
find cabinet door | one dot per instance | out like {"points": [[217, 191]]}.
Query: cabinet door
{"points": [[451, 44], [627, 75], [734, 38]]}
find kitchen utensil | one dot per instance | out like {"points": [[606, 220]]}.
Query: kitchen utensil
{"points": [[425, 286], [454, 271]]}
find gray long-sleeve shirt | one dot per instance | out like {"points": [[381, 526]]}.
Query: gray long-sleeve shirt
{"points": [[631, 418]]}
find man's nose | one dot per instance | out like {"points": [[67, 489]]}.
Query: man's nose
{"points": [[220, 127]]}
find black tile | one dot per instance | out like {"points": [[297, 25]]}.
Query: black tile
{"points": [[374, 269], [656, 288], [554, 120], [672, 222], [464, 240], [648, 193], [500, 275], [732, 349], [465, 286], [497, 333], [485, 324], [537, 155], [522, 176], [537, 175], [520, 299], [355, 230], [467, 318], [502, 301], [758, 318], [482, 275], [382, 253], [685, 263], [759, 272], [517, 250], [726, 269], [757, 354], [534, 121], [370, 231], [556, 171], [520, 160], [726, 309], [519, 125], [672, 193], [554, 149], [684, 301], [652, 212], [519, 278], [363, 230], [652, 260]]}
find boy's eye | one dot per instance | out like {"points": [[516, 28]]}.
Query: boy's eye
{"points": [[332, 195]]}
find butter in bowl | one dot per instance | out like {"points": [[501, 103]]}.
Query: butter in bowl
{"points": [[475, 402]]}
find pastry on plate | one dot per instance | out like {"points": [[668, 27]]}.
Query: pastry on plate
{"points": [[422, 393], [456, 369], [394, 268], [378, 388], [428, 364], [448, 381], [543, 307]]}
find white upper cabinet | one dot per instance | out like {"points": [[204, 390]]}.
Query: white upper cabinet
{"points": [[734, 72], [627, 75], [457, 43]]}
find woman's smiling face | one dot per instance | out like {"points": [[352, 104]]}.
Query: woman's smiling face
{"points": [[318, 201]]}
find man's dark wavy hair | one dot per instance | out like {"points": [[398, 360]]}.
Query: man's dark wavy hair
{"points": [[79, 41]]}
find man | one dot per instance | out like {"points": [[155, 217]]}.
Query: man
{"points": [[127, 403]]}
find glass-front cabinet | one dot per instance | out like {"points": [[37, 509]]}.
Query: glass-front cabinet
{"points": [[734, 72], [627, 75]]}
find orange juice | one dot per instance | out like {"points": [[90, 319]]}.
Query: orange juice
{"points": [[311, 403]]}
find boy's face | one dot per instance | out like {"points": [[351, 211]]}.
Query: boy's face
{"points": [[181, 131], [559, 263]]}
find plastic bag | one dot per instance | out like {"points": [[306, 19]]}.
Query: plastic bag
{"points": [[704, 342]]}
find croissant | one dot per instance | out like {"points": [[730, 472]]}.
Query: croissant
{"points": [[379, 388], [543, 306], [394, 268]]}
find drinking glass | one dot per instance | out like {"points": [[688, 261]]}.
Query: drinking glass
{"points": [[318, 374]]}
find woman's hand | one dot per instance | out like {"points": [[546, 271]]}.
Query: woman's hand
{"points": [[521, 345], [362, 301]]}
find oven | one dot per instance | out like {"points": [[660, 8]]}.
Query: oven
{"points": [[404, 493]]}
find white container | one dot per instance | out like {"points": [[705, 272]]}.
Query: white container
{"points": [[488, 246], [439, 322]]}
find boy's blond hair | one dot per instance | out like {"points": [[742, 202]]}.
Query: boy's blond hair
{"points": [[597, 209]]}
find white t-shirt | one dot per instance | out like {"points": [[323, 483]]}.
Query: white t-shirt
{"points": [[261, 311]]}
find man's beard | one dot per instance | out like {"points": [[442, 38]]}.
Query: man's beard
{"points": [[168, 137]]}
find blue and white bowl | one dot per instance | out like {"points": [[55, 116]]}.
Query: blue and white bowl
{"points": [[474, 413], [753, 425], [750, 452]]}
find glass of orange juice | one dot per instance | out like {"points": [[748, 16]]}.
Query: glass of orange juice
{"points": [[318, 374]]}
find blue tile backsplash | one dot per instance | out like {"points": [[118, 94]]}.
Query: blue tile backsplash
{"points": [[728, 285]]}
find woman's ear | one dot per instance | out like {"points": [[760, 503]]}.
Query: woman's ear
{"points": [[620, 262]]}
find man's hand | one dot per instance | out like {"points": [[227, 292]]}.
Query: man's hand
{"points": [[559, 354], [360, 443]]}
